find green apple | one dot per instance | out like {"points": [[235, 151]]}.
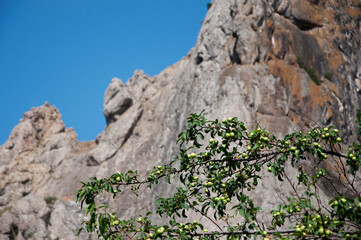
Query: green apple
{"points": [[160, 230]]}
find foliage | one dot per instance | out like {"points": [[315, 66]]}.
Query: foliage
{"points": [[328, 75], [219, 165], [50, 200], [310, 71]]}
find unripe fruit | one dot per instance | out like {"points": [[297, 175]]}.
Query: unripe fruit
{"points": [[325, 129], [160, 230], [205, 230], [117, 179], [139, 219], [263, 233], [230, 119], [195, 222], [211, 140], [270, 169], [287, 143], [231, 134], [193, 155], [228, 135], [224, 120], [338, 139]]}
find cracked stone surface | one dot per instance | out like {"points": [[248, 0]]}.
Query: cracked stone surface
{"points": [[246, 63]]}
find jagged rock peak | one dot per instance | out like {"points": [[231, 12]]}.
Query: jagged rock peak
{"points": [[37, 126]]}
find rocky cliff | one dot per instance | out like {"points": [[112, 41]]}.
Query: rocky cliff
{"points": [[286, 65]]}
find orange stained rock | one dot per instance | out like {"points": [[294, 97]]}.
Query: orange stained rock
{"points": [[295, 119], [291, 77], [353, 12]]}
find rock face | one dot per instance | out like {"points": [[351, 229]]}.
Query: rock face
{"points": [[286, 65]]}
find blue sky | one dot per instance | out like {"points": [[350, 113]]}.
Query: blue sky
{"points": [[67, 51]]}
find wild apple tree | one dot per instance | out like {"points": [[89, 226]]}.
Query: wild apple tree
{"points": [[219, 165]]}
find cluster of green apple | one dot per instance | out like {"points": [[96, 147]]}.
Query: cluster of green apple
{"points": [[353, 158], [220, 173]]}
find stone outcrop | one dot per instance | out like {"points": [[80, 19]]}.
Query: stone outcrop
{"points": [[285, 65]]}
